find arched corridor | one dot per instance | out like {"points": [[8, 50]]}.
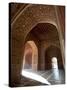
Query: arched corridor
{"points": [[47, 52], [37, 44]]}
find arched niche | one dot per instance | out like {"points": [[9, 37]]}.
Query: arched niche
{"points": [[51, 52]]}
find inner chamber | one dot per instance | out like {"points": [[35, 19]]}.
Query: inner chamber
{"points": [[42, 55]]}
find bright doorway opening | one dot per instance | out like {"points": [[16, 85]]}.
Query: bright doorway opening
{"points": [[54, 63]]}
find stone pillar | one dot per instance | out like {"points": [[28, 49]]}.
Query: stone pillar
{"points": [[16, 62], [41, 61]]}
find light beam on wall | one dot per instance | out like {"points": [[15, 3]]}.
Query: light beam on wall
{"points": [[34, 76]]}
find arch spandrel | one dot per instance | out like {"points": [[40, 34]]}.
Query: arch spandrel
{"points": [[30, 17]]}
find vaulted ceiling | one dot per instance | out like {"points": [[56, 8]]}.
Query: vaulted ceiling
{"points": [[45, 31], [18, 7], [41, 31]]}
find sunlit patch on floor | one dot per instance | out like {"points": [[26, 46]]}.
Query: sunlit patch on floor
{"points": [[34, 76]]}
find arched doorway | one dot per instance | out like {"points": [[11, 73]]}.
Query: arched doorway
{"points": [[53, 58], [30, 59]]}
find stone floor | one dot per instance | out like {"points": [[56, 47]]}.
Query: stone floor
{"points": [[54, 76]]}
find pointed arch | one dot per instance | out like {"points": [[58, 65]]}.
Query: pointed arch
{"points": [[30, 60], [53, 51]]}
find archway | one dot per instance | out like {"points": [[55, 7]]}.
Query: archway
{"points": [[53, 55], [44, 34], [30, 59]]}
